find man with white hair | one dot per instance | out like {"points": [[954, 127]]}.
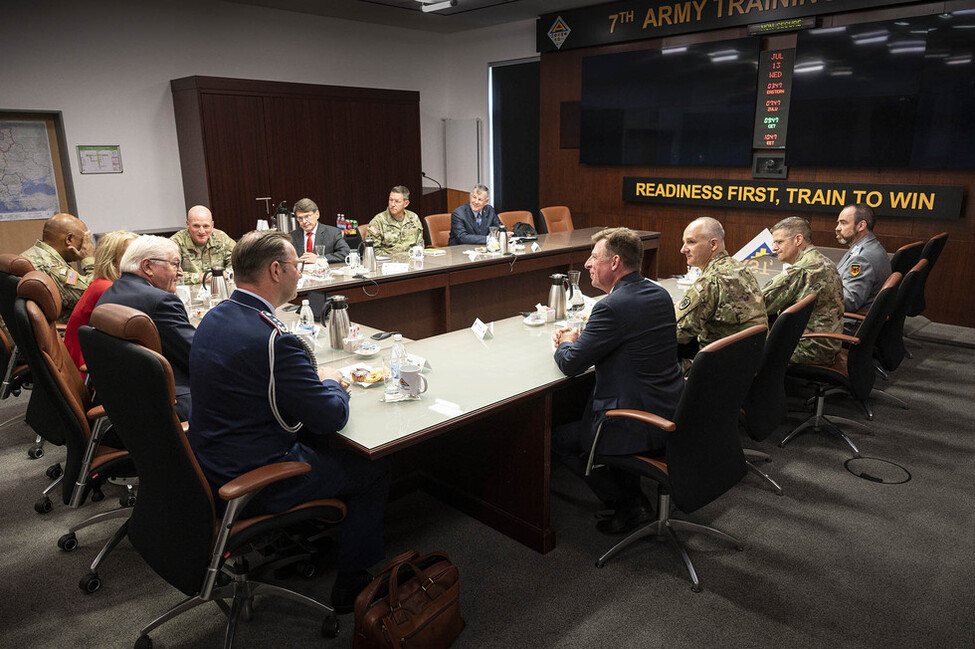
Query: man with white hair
{"points": [[150, 269]]}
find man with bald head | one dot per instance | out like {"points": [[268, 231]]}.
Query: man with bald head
{"points": [[724, 300], [65, 239], [202, 246]]}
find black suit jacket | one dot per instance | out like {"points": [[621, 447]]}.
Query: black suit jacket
{"points": [[329, 236], [631, 338], [169, 315], [464, 228]]}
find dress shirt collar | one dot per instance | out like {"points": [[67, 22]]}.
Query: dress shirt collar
{"points": [[256, 297]]}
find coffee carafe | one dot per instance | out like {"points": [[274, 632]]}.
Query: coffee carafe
{"points": [[336, 314], [503, 242], [219, 291], [368, 254], [559, 294], [284, 219]]}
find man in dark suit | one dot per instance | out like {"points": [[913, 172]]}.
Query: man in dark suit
{"points": [[631, 338], [150, 269], [471, 222], [313, 233], [260, 399]]}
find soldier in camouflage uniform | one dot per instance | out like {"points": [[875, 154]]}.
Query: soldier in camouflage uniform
{"points": [[397, 229], [724, 300], [811, 272], [65, 239], [201, 245]]}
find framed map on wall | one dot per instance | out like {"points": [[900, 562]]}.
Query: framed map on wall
{"points": [[28, 179]]}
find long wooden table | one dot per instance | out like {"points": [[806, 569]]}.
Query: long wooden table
{"points": [[449, 291]]}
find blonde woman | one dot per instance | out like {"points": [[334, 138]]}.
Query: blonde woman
{"points": [[108, 253]]}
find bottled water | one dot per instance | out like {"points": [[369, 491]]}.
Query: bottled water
{"points": [[397, 356], [306, 320]]}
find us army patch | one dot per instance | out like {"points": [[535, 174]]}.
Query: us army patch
{"points": [[686, 302], [854, 269]]}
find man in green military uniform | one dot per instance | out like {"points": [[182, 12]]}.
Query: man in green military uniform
{"points": [[201, 245], [65, 239], [811, 272], [724, 300], [396, 229]]}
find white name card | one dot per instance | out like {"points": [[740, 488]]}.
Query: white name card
{"points": [[535, 246], [481, 330]]}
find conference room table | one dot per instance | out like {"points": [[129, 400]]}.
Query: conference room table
{"points": [[452, 289]]}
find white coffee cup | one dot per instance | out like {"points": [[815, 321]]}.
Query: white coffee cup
{"points": [[183, 293], [411, 379], [416, 252], [352, 259]]}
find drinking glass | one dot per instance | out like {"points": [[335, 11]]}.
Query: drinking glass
{"points": [[321, 264]]}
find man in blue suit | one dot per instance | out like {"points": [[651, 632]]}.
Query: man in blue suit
{"points": [[260, 399], [631, 339], [471, 222], [150, 269]]}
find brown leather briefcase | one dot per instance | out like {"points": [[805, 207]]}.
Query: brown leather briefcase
{"points": [[413, 602]]}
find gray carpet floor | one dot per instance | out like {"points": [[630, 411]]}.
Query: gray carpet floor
{"points": [[838, 561]]}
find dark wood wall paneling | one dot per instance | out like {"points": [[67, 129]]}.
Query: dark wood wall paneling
{"points": [[594, 193], [342, 147]]}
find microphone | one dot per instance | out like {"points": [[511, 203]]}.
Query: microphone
{"points": [[424, 174]]}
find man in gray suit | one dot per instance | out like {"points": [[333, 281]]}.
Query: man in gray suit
{"points": [[313, 233], [865, 267]]}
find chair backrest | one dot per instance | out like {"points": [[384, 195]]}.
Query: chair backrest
{"points": [[931, 252], [905, 257], [704, 456], [517, 216], [59, 400], [557, 218], [765, 404], [362, 231], [173, 523], [12, 268], [859, 364], [438, 229], [889, 348]]}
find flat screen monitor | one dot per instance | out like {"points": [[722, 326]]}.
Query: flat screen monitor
{"points": [[688, 105]]}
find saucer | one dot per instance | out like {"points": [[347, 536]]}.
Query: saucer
{"points": [[533, 321], [367, 349]]}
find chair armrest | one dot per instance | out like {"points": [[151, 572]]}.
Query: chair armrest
{"points": [[260, 477], [853, 340], [186, 426], [61, 328], [855, 316], [645, 417], [96, 413]]}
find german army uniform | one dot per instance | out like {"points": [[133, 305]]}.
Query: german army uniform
{"points": [[813, 273], [391, 235], [198, 259], [864, 269], [724, 300], [71, 284]]}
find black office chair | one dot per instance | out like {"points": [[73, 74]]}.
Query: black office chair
{"points": [[931, 252], [852, 371], [16, 373], [765, 404], [703, 456], [889, 349], [906, 257], [203, 556]]}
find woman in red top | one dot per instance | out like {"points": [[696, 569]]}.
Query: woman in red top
{"points": [[108, 253]]}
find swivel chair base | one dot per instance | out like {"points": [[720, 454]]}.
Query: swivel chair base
{"points": [[665, 526], [751, 457]]}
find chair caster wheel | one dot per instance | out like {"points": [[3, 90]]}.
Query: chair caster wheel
{"points": [[740, 548], [144, 642], [54, 471], [90, 583], [97, 496], [600, 564], [35, 452], [127, 500], [43, 506], [330, 626], [68, 542], [696, 588], [306, 569]]}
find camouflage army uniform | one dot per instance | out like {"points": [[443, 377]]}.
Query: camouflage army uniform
{"points": [[391, 235], [813, 272], [724, 300], [197, 259], [71, 284]]}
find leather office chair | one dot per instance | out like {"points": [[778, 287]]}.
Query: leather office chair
{"points": [[889, 349], [203, 556], [765, 404], [931, 251], [557, 219], [906, 257], [438, 229], [852, 371], [516, 216], [703, 456], [362, 231], [16, 373]]}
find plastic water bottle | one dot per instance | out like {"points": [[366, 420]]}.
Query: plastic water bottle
{"points": [[306, 320], [397, 356]]}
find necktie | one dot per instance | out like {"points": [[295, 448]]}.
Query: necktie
{"points": [[308, 243], [478, 219]]}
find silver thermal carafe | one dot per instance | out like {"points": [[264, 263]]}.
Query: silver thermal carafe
{"points": [[559, 294], [336, 314], [219, 291], [284, 220], [368, 254], [503, 242]]}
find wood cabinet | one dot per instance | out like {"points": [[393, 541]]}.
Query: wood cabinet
{"points": [[344, 148]]}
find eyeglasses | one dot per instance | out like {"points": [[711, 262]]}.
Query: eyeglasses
{"points": [[174, 264], [305, 217], [299, 265]]}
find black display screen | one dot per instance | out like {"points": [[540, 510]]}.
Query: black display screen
{"points": [[688, 105], [889, 94]]}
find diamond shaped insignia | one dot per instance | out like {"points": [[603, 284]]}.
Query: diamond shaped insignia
{"points": [[559, 32]]}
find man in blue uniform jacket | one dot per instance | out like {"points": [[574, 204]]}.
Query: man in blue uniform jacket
{"points": [[631, 339], [256, 389], [471, 222], [150, 269], [865, 266]]}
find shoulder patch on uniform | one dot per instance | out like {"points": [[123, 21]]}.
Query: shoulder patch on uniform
{"points": [[72, 277], [373, 229], [686, 302], [855, 269], [274, 321]]}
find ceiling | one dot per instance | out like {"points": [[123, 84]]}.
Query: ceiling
{"points": [[466, 15]]}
